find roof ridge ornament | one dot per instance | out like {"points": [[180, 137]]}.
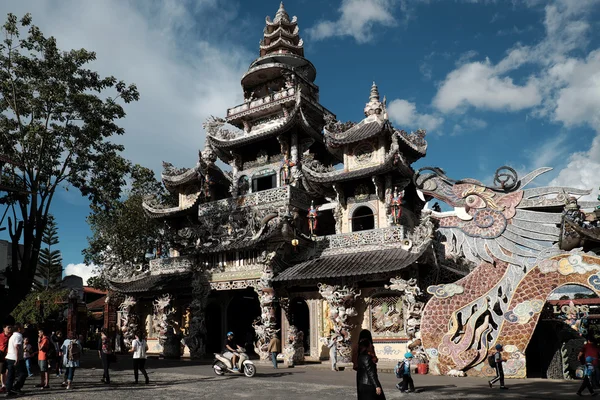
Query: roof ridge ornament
{"points": [[281, 14], [374, 106]]}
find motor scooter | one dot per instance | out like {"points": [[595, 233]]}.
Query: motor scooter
{"points": [[223, 364]]}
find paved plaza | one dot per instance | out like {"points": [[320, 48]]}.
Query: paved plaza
{"points": [[193, 380]]}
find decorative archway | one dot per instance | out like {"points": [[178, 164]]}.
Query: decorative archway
{"points": [[363, 218], [242, 311], [214, 335], [522, 314], [299, 316]]}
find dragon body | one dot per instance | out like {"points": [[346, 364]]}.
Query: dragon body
{"points": [[505, 232]]}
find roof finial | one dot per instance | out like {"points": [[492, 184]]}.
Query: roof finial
{"points": [[374, 93], [281, 14]]}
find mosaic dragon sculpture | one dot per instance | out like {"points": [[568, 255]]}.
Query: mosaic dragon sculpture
{"points": [[509, 233]]}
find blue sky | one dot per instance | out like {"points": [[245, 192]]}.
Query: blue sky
{"points": [[493, 82]]}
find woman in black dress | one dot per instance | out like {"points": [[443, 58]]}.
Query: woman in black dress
{"points": [[367, 382]]}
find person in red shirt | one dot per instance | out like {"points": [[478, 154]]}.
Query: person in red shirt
{"points": [[4, 336], [590, 349], [43, 347]]}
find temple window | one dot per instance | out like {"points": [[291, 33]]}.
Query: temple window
{"points": [[363, 219], [264, 181]]}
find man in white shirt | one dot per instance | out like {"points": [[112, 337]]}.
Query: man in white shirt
{"points": [[15, 362]]}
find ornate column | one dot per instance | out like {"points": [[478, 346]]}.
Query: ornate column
{"points": [[167, 337], [294, 156], [196, 332], [236, 165], [130, 321], [266, 325], [293, 351], [341, 309]]}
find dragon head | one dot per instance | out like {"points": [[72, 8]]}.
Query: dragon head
{"points": [[504, 221], [478, 210]]}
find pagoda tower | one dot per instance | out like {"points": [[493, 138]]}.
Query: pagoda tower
{"points": [[265, 138]]}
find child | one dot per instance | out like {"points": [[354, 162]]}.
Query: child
{"points": [[499, 368], [27, 355], [404, 372], [588, 372]]}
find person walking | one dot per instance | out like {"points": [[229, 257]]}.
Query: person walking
{"points": [[591, 349], [407, 385], [4, 337], [105, 353], [274, 348], [57, 340], [332, 344], [44, 346], [588, 374], [139, 348], [15, 364], [364, 334], [368, 386], [71, 350], [27, 355], [498, 360]]}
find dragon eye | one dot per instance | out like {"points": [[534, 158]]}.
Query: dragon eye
{"points": [[475, 201]]}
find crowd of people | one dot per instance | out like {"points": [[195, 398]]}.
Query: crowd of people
{"points": [[55, 355]]}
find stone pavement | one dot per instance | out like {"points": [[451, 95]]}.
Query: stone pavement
{"points": [[195, 380]]}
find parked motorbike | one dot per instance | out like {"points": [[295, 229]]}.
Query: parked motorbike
{"points": [[223, 364]]}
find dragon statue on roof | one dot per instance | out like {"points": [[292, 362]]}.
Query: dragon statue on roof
{"points": [[520, 244]]}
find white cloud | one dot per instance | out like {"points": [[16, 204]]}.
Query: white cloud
{"points": [[482, 84], [582, 171], [578, 102], [82, 270], [170, 50], [469, 124], [357, 19], [404, 113], [478, 84]]}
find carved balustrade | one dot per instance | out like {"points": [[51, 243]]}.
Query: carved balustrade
{"points": [[380, 236], [286, 194], [269, 100]]}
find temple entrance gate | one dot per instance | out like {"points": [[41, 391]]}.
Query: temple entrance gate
{"points": [[215, 337], [299, 316], [242, 310]]}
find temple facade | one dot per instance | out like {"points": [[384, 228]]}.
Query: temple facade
{"points": [[315, 230], [322, 228]]}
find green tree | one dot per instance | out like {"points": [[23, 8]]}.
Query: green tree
{"points": [[123, 233], [56, 119], [41, 305], [97, 282], [50, 269]]}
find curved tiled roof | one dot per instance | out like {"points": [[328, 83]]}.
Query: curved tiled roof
{"points": [[154, 212], [154, 283], [341, 175], [365, 129], [187, 176], [350, 265]]}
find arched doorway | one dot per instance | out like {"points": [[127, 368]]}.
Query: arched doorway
{"points": [[214, 337], [300, 318], [363, 219], [242, 310], [561, 332]]}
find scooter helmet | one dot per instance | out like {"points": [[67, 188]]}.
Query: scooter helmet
{"points": [[229, 333]]}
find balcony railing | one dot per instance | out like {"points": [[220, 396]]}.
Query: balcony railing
{"points": [[271, 99], [296, 197], [379, 236]]}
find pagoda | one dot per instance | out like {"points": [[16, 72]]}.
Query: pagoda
{"points": [[316, 224]]}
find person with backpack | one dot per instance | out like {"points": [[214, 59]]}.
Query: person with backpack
{"points": [[71, 351], [588, 373], [495, 361], [402, 371]]}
